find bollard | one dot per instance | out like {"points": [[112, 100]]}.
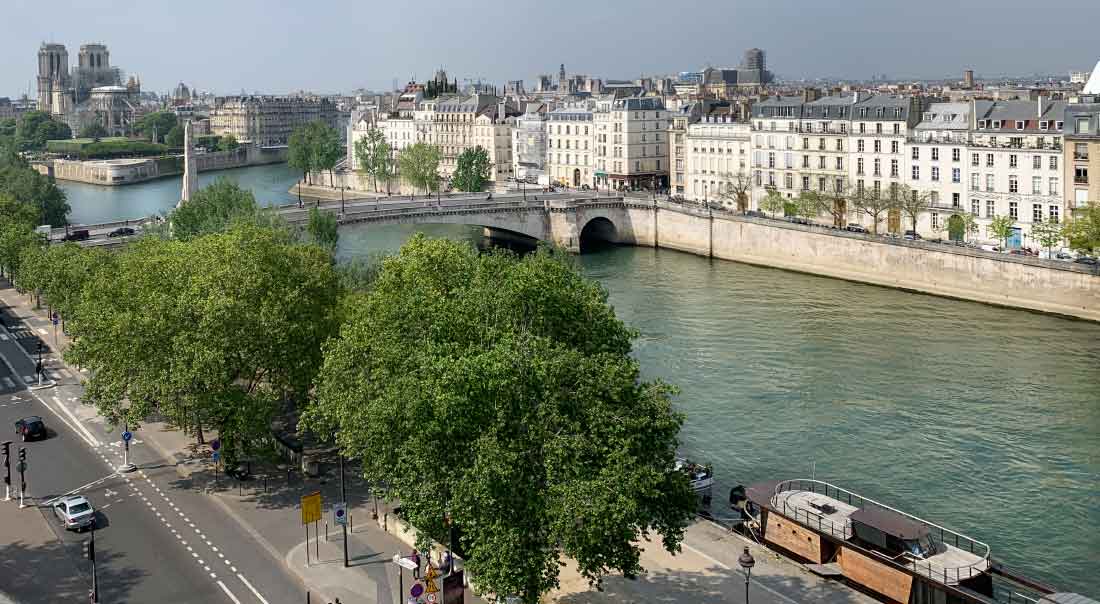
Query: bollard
{"points": [[351, 524], [265, 483], [326, 532]]}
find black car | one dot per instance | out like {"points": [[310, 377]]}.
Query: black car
{"points": [[855, 228], [1086, 260], [121, 232], [80, 235], [30, 428]]}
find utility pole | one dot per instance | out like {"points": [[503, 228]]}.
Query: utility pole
{"points": [[22, 467], [38, 367], [7, 470], [344, 498], [89, 554]]}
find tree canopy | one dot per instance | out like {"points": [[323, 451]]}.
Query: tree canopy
{"points": [[212, 209], [215, 330], [1083, 229], [773, 202], [175, 137], [419, 165], [228, 143], [913, 203], [36, 127], [472, 169], [373, 158], [25, 185], [874, 205], [1001, 227], [157, 125], [499, 392], [96, 130], [323, 230], [314, 147]]}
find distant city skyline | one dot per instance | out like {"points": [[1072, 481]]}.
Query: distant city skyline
{"points": [[341, 45]]}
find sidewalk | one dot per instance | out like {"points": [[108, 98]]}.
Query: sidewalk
{"points": [[33, 556]]}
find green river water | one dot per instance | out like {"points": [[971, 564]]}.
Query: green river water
{"points": [[982, 419]]}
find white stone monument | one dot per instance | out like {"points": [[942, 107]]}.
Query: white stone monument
{"points": [[190, 174]]}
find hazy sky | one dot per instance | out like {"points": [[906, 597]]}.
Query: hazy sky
{"points": [[339, 45]]}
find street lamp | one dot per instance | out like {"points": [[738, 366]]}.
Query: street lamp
{"points": [[747, 562]]}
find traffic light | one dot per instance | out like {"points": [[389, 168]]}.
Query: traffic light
{"points": [[88, 550], [22, 454]]}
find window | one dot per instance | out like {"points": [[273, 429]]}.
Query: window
{"points": [[916, 172], [1013, 184], [1036, 162], [1054, 190], [973, 182], [1054, 210], [1044, 125], [894, 168], [840, 163], [974, 159], [821, 143], [821, 183], [1058, 125], [771, 159], [1053, 162], [956, 200], [788, 180], [989, 208], [839, 144], [878, 167], [997, 124], [806, 161], [878, 146], [956, 175], [878, 128], [1082, 125], [956, 155], [839, 183], [989, 160], [916, 152], [859, 165], [1019, 125], [935, 221], [935, 173], [805, 183], [975, 207], [1080, 151], [893, 146], [1037, 212], [862, 127], [935, 154], [1013, 210], [859, 145], [1036, 185], [821, 162], [1081, 176], [1012, 160], [989, 182]]}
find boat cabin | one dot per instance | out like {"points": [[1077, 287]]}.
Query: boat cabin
{"points": [[892, 533]]}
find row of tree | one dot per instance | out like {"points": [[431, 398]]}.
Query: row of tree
{"points": [[495, 395], [418, 164], [31, 131], [38, 195], [314, 147]]}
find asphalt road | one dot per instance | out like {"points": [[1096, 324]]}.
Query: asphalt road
{"points": [[159, 540]]}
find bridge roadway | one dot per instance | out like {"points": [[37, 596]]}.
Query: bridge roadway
{"points": [[374, 209]]}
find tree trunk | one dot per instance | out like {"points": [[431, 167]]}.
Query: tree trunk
{"points": [[198, 429]]}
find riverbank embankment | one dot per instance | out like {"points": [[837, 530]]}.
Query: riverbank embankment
{"points": [[119, 172]]}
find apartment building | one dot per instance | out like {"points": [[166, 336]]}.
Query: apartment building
{"points": [[631, 143], [716, 158], [570, 146], [824, 162], [1081, 157], [529, 143], [776, 124], [939, 164], [877, 136], [456, 123], [270, 120]]}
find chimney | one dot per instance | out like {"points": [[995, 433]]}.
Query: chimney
{"points": [[1039, 114], [810, 95]]}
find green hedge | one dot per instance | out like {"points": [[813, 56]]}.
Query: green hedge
{"points": [[107, 148]]}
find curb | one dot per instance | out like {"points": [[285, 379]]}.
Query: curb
{"points": [[293, 568]]}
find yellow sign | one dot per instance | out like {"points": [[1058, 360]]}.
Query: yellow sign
{"points": [[429, 580], [311, 507]]}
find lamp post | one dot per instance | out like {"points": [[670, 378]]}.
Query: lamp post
{"points": [[747, 562]]}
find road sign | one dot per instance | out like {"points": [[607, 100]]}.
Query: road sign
{"points": [[216, 456], [126, 436], [430, 598], [216, 444], [311, 507], [340, 512], [404, 562], [416, 590], [21, 466], [429, 580]]}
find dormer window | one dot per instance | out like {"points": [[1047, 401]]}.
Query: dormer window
{"points": [[1044, 125], [981, 123], [996, 124], [1057, 125], [1019, 125]]}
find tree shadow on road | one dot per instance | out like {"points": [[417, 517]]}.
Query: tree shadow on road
{"points": [[56, 572]]}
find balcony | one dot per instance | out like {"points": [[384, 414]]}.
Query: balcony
{"points": [[1079, 156]]}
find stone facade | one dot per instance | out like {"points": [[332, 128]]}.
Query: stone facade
{"points": [[631, 145], [269, 120]]}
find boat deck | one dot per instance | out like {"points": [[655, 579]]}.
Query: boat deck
{"points": [[799, 505], [950, 566]]}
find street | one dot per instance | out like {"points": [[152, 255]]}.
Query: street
{"points": [[157, 539]]}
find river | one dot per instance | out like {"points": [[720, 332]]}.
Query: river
{"points": [[983, 419]]}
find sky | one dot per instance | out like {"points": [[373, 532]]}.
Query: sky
{"points": [[326, 46]]}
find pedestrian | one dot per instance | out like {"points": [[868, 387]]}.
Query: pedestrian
{"points": [[415, 557]]}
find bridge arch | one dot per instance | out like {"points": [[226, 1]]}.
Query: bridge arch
{"points": [[598, 231]]}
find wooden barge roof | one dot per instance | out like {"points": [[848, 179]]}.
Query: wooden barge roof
{"points": [[890, 522]]}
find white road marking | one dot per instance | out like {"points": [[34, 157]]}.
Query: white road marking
{"points": [[249, 586], [229, 593], [3, 337], [725, 567], [43, 331], [91, 440]]}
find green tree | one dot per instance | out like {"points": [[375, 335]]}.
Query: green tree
{"points": [[773, 202], [327, 150], [8, 126], [913, 203], [961, 226], [15, 239], [500, 392], [1082, 231], [156, 125], [323, 230], [94, 130], [60, 272], [809, 204], [228, 143], [472, 169], [37, 127], [874, 205], [25, 185], [1048, 234], [212, 209], [373, 158], [419, 165], [175, 137], [1001, 227], [216, 330], [300, 152]]}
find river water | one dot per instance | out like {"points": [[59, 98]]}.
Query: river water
{"points": [[982, 419]]}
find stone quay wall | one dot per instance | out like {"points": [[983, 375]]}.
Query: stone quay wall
{"points": [[118, 172]]}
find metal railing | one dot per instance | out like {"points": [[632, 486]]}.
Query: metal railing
{"points": [[939, 534]]}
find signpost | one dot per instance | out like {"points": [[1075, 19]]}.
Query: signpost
{"points": [[55, 320], [403, 563], [311, 512], [340, 512], [126, 466], [21, 467], [7, 470]]}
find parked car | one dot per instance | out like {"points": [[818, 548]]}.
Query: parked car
{"points": [[756, 214], [855, 228], [912, 235], [121, 232], [75, 512], [30, 428], [1064, 256], [989, 248], [79, 235], [1087, 260]]}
